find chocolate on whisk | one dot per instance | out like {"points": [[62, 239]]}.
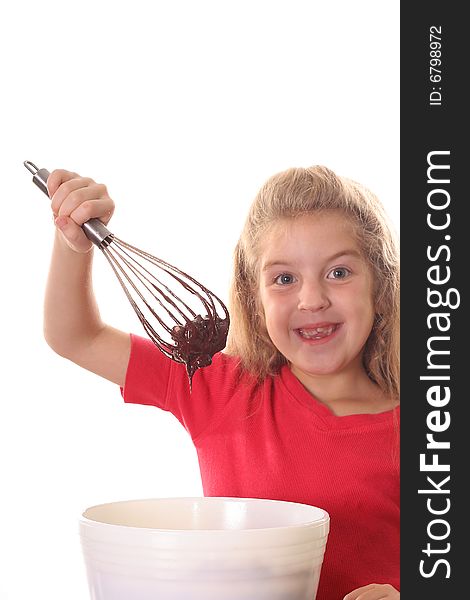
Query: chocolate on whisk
{"points": [[168, 302], [197, 341]]}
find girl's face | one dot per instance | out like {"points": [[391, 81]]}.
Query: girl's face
{"points": [[316, 293]]}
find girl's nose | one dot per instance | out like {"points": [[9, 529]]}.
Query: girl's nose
{"points": [[313, 298]]}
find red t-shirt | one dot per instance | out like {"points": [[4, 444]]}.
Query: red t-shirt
{"points": [[274, 440]]}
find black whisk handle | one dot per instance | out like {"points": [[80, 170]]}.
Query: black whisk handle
{"points": [[94, 229]]}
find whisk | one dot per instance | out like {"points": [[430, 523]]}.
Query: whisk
{"points": [[185, 320]]}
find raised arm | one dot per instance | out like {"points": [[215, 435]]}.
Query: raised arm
{"points": [[72, 324]]}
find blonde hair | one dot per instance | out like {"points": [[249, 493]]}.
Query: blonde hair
{"points": [[290, 194]]}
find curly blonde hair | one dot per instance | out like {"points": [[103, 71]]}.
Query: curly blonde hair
{"points": [[290, 194]]}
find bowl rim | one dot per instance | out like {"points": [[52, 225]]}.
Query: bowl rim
{"points": [[322, 521]]}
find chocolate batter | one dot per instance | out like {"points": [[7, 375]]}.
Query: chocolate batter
{"points": [[198, 340], [195, 339]]}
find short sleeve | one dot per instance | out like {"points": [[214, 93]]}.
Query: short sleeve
{"points": [[155, 380], [148, 374]]}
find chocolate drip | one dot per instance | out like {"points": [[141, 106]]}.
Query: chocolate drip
{"points": [[194, 338], [197, 341]]}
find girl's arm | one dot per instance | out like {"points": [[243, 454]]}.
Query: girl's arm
{"points": [[72, 324]]}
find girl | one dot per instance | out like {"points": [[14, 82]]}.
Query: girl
{"points": [[303, 404]]}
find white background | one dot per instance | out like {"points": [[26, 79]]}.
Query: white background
{"points": [[183, 109]]}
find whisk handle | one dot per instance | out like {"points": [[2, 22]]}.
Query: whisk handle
{"points": [[95, 230]]}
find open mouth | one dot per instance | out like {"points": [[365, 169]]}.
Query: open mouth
{"points": [[318, 333]]}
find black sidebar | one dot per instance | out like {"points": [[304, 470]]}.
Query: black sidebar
{"points": [[435, 368]]}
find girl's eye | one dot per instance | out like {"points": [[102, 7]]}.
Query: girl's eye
{"points": [[284, 279], [339, 273]]}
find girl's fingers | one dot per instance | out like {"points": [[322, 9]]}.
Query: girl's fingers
{"points": [[87, 196], [56, 178], [75, 200], [101, 208], [374, 591], [66, 188], [73, 234]]}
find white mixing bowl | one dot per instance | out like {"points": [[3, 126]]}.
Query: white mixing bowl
{"points": [[203, 549]]}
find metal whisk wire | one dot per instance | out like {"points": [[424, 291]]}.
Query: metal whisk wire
{"points": [[134, 275], [193, 337]]}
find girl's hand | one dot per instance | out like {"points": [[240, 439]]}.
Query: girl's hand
{"points": [[374, 591], [75, 200]]}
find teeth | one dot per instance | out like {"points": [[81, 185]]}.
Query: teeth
{"points": [[317, 333]]}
